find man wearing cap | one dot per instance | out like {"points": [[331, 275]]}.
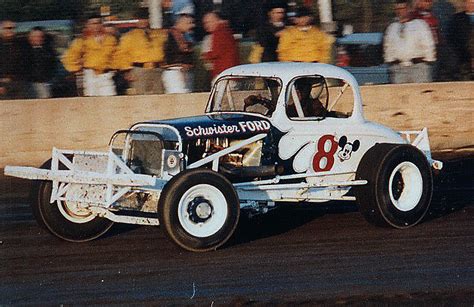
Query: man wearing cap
{"points": [[304, 42], [409, 47], [140, 54], [91, 54], [268, 35]]}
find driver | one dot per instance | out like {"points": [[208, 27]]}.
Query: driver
{"points": [[259, 99], [312, 107], [269, 104]]}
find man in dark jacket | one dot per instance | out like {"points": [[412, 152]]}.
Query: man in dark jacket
{"points": [[12, 59], [41, 60], [269, 33], [461, 40]]}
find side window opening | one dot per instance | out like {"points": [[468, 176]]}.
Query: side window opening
{"points": [[316, 98], [308, 98]]}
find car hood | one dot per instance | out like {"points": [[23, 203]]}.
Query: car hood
{"points": [[231, 125]]}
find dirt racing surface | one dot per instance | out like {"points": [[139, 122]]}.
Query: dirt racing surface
{"points": [[297, 254]]}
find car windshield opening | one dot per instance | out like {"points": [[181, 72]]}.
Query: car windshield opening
{"points": [[246, 94]]}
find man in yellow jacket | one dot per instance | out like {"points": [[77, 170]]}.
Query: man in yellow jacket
{"points": [[92, 55], [140, 54], [304, 42]]}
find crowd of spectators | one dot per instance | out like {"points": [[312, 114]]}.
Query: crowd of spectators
{"points": [[103, 62], [26, 67]]}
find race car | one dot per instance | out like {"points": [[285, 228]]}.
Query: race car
{"points": [[271, 133]]}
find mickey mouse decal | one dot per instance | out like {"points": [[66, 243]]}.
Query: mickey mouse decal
{"points": [[347, 148]]}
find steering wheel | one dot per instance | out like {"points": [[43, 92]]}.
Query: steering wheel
{"points": [[259, 99]]}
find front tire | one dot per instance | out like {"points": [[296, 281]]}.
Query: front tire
{"points": [[199, 210], [399, 188], [64, 219]]}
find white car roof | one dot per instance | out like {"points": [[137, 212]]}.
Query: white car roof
{"points": [[289, 70]]}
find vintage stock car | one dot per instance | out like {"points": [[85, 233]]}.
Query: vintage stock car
{"points": [[272, 132]]}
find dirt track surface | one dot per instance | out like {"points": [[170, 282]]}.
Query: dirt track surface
{"points": [[298, 254]]}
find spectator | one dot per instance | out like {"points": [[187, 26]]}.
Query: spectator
{"points": [[304, 42], [41, 60], [167, 13], [140, 54], [221, 52], [12, 59], [268, 35], [171, 9], [109, 27], [461, 40], [243, 15], [202, 7], [408, 47], [423, 11], [178, 57], [121, 84], [91, 54]]}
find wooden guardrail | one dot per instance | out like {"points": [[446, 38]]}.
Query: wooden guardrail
{"points": [[30, 128]]}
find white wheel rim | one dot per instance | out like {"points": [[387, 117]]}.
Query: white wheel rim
{"points": [[73, 212], [412, 189], [202, 210]]}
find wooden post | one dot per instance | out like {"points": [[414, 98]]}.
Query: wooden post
{"points": [[325, 16], [156, 17]]}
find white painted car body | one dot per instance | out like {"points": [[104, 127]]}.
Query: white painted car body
{"points": [[99, 181]]}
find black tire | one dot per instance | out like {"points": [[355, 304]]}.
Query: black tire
{"points": [[199, 210], [49, 216], [402, 202], [34, 199]]}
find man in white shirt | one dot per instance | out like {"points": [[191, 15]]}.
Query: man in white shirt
{"points": [[409, 47]]}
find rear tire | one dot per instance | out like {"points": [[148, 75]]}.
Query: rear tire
{"points": [[199, 210], [64, 219], [399, 188]]}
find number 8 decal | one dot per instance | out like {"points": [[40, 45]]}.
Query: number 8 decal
{"points": [[323, 160]]}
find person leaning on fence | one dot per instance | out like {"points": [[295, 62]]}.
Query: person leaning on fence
{"points": [[178, 57], [304, 42], [91, 54], [12, 64], [140, 54], [409, 47]]}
